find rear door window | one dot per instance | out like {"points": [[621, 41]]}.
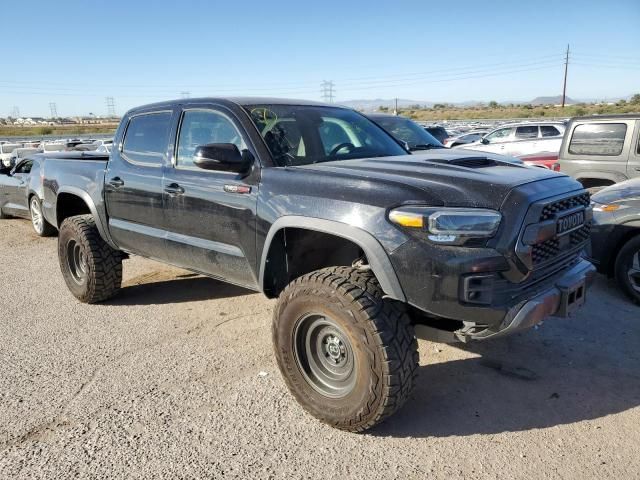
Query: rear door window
{"points": [[499, 135], [147, 138], [527, 132], [605, 139], [549, 131]]}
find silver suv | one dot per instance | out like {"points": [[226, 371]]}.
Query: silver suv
{"points": [[522, 138], [602, 150]]}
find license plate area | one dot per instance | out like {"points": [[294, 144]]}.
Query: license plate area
{"points": [[572, 298]]}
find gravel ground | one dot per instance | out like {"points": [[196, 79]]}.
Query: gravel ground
{"points": [[176, 379]]}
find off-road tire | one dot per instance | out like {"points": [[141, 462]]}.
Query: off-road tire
{"points": [[47, 230], [382, 339], [103, 276], [624, 260], [2, 215]]}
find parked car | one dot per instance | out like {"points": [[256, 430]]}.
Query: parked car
{"points": [[52, 147], [18, 154], [5, 153], [602, 150], [465, 138], [365, 245], [615, 237], [544, 160], [406, 131], [522, 139], [20, 194], [439, 133]]}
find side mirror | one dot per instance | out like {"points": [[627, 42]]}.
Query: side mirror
{"points": [[223, 157], [484, 141]]}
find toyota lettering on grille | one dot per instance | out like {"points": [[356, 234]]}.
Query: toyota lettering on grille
{"points": [[570, 222]]}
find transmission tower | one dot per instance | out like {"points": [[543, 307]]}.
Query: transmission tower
{"points": [[54, 109], [111, 106], [15, 112], [327, 90], [185, 94]]}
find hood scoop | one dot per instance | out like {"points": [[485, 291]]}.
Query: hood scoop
{"points": [[473, 162]]}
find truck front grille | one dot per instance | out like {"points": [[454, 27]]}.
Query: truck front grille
{"points": [[541, 252], [542, 217], [559, 206]]}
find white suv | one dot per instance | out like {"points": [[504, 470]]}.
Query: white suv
{"points": [[521, 139]]}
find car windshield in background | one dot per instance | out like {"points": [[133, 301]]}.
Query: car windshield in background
{"points": [[409, 132], [302, 134]]}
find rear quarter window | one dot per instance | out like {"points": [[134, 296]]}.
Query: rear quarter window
{"points": [[549, 131], [605, 139], [147, 138]]}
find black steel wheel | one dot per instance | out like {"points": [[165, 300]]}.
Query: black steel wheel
{"points": [[91, 269], [348, 356]]}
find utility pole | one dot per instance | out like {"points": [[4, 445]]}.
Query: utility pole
{"points": [[54, 109], [111, 106], [327, 91], [185, 94], [566, 67], [395, 110]]}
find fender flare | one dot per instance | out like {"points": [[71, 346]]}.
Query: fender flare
{"points": [[377, 256], [78, 192]]}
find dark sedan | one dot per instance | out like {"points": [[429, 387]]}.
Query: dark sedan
{"points": [[406, 131], [615, 239], [18, 196]]}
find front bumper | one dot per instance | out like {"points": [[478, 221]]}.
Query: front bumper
{"points": [[567, 294]]}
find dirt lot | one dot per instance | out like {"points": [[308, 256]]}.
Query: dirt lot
{"points": [[175, 379]]}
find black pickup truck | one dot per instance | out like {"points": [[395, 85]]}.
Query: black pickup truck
{"points": [[365, 246]]}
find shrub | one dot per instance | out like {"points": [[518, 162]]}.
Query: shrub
{"points": [[45, 131]]}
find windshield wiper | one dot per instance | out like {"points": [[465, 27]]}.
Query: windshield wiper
{"points": [[423, 146]]}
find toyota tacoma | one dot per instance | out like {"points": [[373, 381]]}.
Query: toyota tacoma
{"points": [[365, 245]]}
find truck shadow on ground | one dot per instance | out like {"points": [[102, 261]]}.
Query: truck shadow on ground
{"points": [[570, 370], [156, 290]]}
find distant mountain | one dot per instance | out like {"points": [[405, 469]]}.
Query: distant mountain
{"points": [[373, 105], [554, 100]]}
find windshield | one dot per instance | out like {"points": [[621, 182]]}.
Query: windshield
{"points": [[407, 131], [301, 134]]}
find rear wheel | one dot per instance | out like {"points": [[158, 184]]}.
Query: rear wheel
{"points": [[40, 225], [2, 215], [627, 268], [348, 356], [91, 269]]}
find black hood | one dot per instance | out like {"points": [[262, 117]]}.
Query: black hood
{"points": [[463, 179]]}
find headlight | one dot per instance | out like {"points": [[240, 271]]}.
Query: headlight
{"points": [[448, 225]]}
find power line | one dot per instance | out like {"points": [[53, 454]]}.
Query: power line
{"points": [[327, 90]]}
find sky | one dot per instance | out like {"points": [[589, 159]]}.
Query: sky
{"points": [[77, 53]]}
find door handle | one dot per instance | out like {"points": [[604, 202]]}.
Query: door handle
{"points": [[174, 189], [116, 182], [637, 169]]}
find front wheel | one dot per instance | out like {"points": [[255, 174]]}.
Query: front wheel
{"points": [[40, 225], [348, 356], [91, 269], [627, 268]]}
